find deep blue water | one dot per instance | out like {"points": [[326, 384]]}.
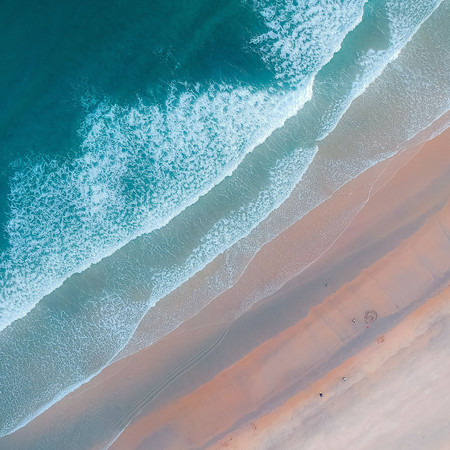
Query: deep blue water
{"points": [[53, 53]]}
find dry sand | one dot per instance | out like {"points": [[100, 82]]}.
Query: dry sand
{"points": [[254, 383], [395, 395]]}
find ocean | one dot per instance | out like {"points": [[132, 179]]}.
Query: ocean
{"points": [[142, 142]]}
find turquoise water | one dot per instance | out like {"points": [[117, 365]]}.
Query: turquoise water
{"points": [[139, 142]]}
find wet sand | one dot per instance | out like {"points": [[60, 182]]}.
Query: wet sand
{"points": [[254, 382], [386, 290]]}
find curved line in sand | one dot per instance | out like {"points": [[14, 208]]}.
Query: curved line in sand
{"points": [[180, 370]]}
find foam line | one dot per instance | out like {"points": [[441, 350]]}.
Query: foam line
{"points": [[157, 152]]}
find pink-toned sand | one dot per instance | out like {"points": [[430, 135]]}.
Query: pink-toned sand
{"points": [[255, 382], [391, 371], [395, 395]]}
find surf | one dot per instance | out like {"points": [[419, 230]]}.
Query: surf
{"points": [[140, 165]]}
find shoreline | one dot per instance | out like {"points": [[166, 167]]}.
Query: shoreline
{"points": [[118, 392], [342, 207], [253, 363]]}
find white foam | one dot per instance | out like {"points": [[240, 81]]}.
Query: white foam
{"points": [[404, 19], [238, 224], [141, 166], [303, 35], [65, 216]]}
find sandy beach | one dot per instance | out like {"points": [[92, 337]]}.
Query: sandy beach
{"points": [[393, 285], [394, 395], [373, 308]]}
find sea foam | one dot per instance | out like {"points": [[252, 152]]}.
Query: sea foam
{"points": [[364, 138], [301, 34], [142, 165]]}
